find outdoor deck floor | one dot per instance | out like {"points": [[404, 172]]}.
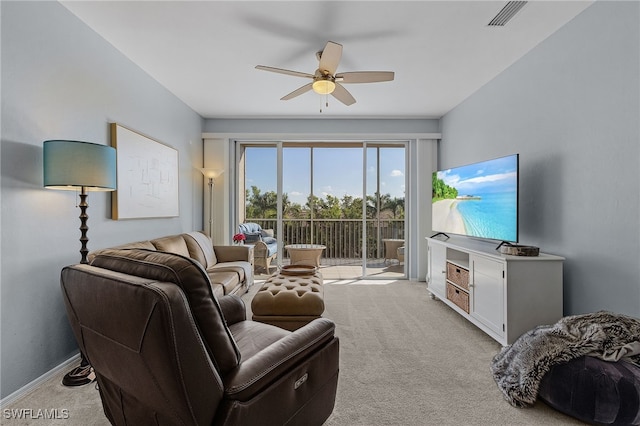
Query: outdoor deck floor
{"points": [[351, 269]]}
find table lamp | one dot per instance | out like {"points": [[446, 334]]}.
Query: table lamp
{"points": [[73, 165]]}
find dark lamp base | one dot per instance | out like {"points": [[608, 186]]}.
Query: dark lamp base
{"points": [[81, 375]]}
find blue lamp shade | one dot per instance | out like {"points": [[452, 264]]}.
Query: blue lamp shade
{"points": [[74, 164]]}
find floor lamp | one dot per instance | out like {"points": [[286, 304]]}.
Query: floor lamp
{"points": [[73, 165], [211, 174]]}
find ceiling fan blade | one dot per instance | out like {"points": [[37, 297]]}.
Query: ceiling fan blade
{"points": [[365, 76], [283, 71], [330, 57], [299, 91], [343, 95]]}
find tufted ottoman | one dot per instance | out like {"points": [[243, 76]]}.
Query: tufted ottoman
{"points": [[289, 301]]}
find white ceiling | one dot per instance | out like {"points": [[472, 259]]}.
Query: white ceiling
{"points": [[205, 51]]}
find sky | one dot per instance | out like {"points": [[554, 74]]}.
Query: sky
{"points": [[495, 175], [337, 171]]}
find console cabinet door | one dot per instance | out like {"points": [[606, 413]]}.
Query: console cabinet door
{"points": [[488, 291], [437, 270]]}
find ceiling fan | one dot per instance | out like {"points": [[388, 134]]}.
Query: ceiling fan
{"points": [[326, 81]]}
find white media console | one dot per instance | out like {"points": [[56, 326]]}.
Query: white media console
{"points": [[503, 295]]}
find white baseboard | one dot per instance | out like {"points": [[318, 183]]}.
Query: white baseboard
{"points": [[9, 399]]}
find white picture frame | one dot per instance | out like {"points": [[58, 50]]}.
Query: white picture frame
{"points": [[147, 176]]}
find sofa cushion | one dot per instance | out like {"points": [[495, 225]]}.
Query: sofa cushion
{"points": [[249, 228], [200, 248], [225, 280], [217, 289], [269, 240], [252, 237], [172, 244], [241, 269], [138, 244], [194, 282], [272, 248], [253, 336]]}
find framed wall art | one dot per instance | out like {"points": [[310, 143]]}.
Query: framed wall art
{"points": [[147, 176]]}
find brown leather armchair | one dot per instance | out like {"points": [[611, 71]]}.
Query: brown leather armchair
{"points": [[166, 351]]}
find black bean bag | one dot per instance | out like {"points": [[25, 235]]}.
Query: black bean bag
{"points": [[594, 391]]}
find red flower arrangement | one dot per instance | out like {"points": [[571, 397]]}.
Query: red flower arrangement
{"points": [[239, 238]]}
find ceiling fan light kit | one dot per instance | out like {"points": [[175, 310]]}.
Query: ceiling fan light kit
{"points": [[323, 87], [325, 79]]}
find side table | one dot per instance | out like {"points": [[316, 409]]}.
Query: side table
{"points": [[305, 254]]}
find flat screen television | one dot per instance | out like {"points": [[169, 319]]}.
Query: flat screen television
{"points": [[478, 200]]}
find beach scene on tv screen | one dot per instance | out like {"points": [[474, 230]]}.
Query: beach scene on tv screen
{"points": [[479, 200]]}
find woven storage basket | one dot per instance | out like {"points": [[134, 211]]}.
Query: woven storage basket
{"points": [[458, 275], [458, 296]]}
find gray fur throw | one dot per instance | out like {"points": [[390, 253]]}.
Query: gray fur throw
{"points": [[518, 368]]}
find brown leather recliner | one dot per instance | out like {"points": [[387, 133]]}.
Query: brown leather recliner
{"points": [[167, 352]]}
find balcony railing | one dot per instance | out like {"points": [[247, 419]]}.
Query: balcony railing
{"points": [[342, 237]]}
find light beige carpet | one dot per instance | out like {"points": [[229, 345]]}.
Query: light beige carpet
{"points": [[404, 360]]}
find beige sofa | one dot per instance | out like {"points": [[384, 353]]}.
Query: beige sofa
{"points": [[230, 268]]}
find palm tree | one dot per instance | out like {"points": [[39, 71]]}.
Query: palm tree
{"points": [[395, 206]]}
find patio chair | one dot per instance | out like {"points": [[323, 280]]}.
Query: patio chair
{"points": [[391, 246], [265, 245]]}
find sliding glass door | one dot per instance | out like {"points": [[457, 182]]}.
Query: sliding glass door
{"points": [[347, 198], [337, 176], [385, 219]]}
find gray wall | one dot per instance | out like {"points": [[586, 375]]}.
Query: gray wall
{"points": [[61, 80], [570, 107]]}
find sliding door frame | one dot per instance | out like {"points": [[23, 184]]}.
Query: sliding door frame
{"points": [[365, 147], [240, 202], [220, 151]]}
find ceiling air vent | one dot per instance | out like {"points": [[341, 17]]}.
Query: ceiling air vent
{"points": [[507, 12]]}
